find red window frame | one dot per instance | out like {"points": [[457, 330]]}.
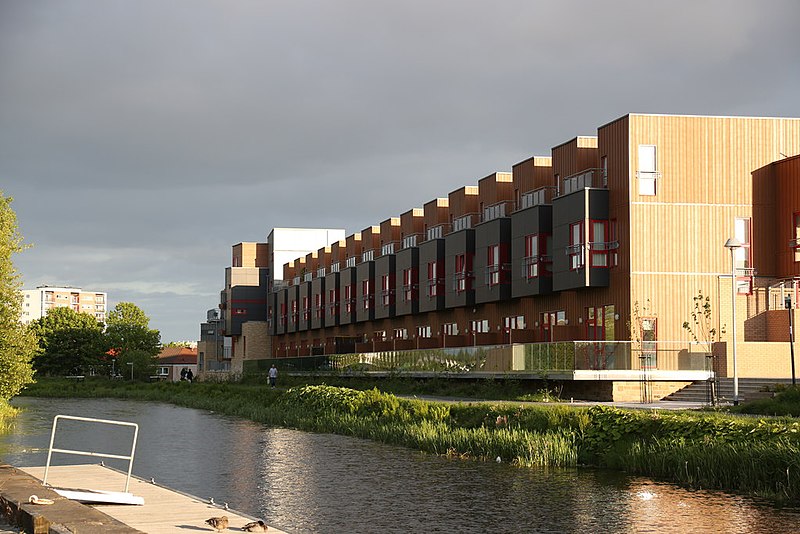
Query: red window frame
{"points": [[598, 257]]}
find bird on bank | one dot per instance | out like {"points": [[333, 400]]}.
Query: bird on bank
{"points": [[255, 526], [218, 523]]}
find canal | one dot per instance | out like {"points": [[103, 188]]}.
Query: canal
{"points": [[303, 482]]}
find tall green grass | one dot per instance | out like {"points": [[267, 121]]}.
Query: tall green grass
{"points": [[697, 449]]}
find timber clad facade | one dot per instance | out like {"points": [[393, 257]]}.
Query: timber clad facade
{"points": [[611, 232]]}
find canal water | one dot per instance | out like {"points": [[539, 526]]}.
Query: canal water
{"points": [[303, 482]]}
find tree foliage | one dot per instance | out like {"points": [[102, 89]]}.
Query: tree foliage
{"points": [[129, 335], [18, 343], [700, 326], [70, 342]]}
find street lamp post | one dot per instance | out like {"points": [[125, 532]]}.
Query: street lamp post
{"points": [[732, 244]]}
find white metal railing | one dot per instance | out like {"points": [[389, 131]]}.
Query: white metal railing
{"points": [[129, 458]]}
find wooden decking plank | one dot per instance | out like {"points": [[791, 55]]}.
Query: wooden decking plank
{"points": [[164, 510]]}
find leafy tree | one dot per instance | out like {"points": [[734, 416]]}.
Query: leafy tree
{"points": [[129, 336], [700, 326], [18, 342], [70, 342]]}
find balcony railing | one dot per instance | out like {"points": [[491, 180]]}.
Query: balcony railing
{"points": [[410, 240], [569, 357], [437, 232], [464, 222], [600, 246], [367, 255], [321, 272], [335, 267], [388, 248], [495, 211], [582, 180], [537, 197]]}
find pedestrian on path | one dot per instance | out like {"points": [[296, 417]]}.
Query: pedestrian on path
{"points": [[273, 375]]}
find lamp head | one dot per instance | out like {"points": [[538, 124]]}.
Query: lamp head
{"points": [[732, 243]]}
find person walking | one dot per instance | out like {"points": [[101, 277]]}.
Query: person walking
{"points": [[189, 375], [273, 375]]}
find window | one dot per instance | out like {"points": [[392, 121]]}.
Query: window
{"points": [[433, 278], [547, 320], [294, 311], [367, 256], [647, 173], [409, 284], [493, 265], [386, 290], [400, 333], [366, 291], [348, 299], [649, 330], [380, 335], [283, 314], [306, 309], [318, 306], [350, 262], [437, 232], [795, 242], [530, 265], [613, 236], [575, 249], [163, 371], [333, 302], [462, 273], [743, 257], [423, 331], [600, 323], [599, 243], [480, 326], [450, 329], [514, 323], [604, 168]]}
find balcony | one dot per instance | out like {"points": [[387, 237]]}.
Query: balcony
{"points": [[464, 222], [307, 277], [388, 248], [335, 267], [537, 197], [495, 211], [410, 240], [588, 178], [321, 272], [437, 232], [367, 255]]}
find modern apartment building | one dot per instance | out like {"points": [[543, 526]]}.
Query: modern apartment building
{"points": [[37, 302], [609, 238], [241, 331]]}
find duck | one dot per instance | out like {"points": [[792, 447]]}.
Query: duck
{"points": [[218, 523], [255, 526]]}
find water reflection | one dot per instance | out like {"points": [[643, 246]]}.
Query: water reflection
{"points": [[305, 482]]}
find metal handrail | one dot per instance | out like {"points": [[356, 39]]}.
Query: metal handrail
{"points": [[51, 450]]}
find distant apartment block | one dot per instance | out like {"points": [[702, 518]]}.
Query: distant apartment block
{"points": [[243, 306], [37, 302]]}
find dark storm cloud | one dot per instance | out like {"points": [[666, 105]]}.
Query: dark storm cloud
{"points": [[149, 136]]}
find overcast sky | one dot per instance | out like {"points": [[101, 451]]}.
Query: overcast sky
{"points": [[141, 139]]}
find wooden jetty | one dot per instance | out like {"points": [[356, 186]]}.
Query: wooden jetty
{"points": [[164, 510]]}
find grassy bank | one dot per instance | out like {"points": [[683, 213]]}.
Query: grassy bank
{"points": [[698, 450]]}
